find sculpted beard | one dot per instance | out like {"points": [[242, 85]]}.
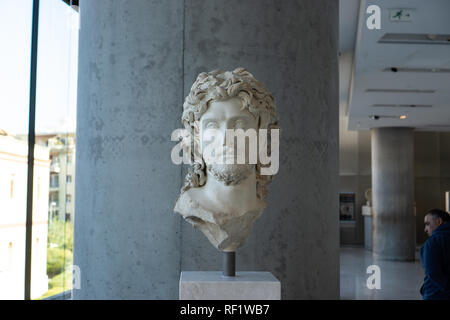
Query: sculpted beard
{"points": [[231, 174]]}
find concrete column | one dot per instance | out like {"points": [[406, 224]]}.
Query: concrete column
{"points": [[137, 62], [393, 193], [130, 93]]}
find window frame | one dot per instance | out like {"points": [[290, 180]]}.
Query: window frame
{"points": [[31, 145]]}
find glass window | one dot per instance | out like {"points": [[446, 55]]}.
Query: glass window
{"points": [[55, 146], [15, 39], [54, 180]]}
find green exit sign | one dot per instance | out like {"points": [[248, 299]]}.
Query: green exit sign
{"points": [[400, 14]]}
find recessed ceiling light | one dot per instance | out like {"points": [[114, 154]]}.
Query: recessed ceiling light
{"points": [[378, 117], [437, 125], [414, 38], [431, 70], [402, 105], [401, 90]]}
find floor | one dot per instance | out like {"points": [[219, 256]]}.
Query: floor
{"points": [[398, 280]]}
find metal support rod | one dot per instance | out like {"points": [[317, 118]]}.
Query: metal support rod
{"points": [[447, 201], [31, 142], [229, 264]]}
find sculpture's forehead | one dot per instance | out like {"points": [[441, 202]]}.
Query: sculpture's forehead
{"points": [[227, 109]]}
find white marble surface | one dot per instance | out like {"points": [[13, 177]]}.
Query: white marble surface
{"points": [[223, 198], [212, 285]]}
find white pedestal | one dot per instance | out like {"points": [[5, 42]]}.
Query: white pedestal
{"points": [[211, 285]]}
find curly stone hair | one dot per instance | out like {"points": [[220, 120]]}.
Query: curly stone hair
{"points": [[218, 85]]}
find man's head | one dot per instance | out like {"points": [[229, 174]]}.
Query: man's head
{"points": [[434, 218], [221, 100], [220, 158]]}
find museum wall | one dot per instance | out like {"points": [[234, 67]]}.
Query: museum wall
{"points": [[354, 177], [432, 175], [136, 64]]}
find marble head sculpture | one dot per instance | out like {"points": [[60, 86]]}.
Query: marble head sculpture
{"points": [[224, 200]]}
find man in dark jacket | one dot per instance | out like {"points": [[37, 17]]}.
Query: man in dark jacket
{"points": [[435, 256]]}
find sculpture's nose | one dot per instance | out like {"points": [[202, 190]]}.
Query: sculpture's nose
{"points": [[224, 136]]}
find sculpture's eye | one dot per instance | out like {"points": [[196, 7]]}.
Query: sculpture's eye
{"points": [[240, 124], [212, 125]]}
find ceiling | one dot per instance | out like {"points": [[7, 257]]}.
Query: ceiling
{"points": [[379, 82]]}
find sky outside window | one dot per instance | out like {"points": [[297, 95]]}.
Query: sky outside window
{"points": [[57, 66]]}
